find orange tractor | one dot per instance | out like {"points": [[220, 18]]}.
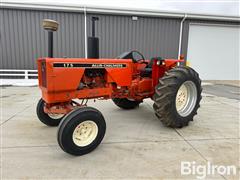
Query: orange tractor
{"points": [[127, 80]]}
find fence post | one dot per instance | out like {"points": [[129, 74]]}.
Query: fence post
{"points": [[26, 74]]}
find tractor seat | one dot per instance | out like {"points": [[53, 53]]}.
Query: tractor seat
{"points": [[151, 61], [147, 72]]}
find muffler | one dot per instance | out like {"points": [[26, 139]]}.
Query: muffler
{"points": [[93, 42]]}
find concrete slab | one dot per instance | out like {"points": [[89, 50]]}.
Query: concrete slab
{"points": [[228, 91], [136, 144], [15, 100], [224, 82], [215, 120], [218, 152], [120, 160], [137, 125]]}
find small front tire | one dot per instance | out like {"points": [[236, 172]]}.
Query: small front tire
{"points": [[48, 119], [81, 131]]}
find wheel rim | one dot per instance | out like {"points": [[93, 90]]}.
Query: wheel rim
{"points": [[55, 116], [186, 98], [85, 133]]}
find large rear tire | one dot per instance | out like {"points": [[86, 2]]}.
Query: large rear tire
{"points": [[125, 103], [177, 97], [81, 131], [47, 119]]}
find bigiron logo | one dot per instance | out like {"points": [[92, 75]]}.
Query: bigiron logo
{"points": [[201, 171]]}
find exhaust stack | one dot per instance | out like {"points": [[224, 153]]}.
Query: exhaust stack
{"points": [[50, 26], [93, 42]]}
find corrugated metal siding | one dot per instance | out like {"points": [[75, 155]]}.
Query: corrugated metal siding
{"points": [[24, 40], [151, 36]]}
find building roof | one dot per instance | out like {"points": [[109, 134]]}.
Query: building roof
{"points": [[114, 10]]}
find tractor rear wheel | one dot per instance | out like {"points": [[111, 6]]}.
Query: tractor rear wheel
{"points": [[48, 119], [177, 97], [125, 103], [81, 131]]}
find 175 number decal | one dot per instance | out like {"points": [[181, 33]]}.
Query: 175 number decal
{"points": [[67, 65]]}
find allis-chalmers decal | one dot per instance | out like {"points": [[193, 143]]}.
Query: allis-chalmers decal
{"points": [[95, 65]]}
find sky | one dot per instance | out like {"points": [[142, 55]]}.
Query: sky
{"points": [[214, 7]]}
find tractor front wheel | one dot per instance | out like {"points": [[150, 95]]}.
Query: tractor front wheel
{"points": [[48, 119], [125, 103], [81, 131], [177, 97]]}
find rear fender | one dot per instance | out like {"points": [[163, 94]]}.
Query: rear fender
{"points": [[161, 66], [170, 63]]}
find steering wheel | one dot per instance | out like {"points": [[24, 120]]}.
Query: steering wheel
{"points": [[134, 55], [137, 56]]}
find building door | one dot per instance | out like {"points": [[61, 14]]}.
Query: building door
{"points": [[213, 50]]}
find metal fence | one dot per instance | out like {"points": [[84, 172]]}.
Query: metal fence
{"points": [[16, 73]]}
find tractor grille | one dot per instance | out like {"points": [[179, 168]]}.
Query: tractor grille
{"points": [[44, 74]]}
